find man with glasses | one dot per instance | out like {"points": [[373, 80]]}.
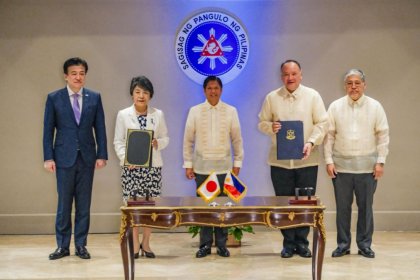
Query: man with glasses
{"points": [[355, 150]]}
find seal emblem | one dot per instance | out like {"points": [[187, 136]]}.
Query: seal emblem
{"points": [[212, 42], [290, 134]]}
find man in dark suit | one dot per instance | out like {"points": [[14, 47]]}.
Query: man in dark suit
{"points": [[74, 145]]}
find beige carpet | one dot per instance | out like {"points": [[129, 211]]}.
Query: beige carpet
{"points": [[26, 257]]}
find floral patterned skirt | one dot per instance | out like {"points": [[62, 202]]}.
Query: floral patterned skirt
{"points": [[141, 181]]}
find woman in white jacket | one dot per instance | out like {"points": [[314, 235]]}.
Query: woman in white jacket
{"points": [[139, 181]]}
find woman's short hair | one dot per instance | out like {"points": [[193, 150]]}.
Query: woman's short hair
{"points": [[142, 82]]}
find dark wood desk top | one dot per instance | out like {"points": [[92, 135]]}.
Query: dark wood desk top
{"points": [[255, 202], [272, 211]]}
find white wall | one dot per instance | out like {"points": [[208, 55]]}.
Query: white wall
{"points": [[122, 39]]}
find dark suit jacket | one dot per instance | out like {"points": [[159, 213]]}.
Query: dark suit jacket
{"points": [[63, 137]]}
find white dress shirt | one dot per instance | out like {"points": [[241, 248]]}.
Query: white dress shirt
{"points": [[210, 131], [79, 97], [358, 135]]}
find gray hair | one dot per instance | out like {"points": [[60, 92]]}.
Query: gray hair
{"points": [[357, 72]]}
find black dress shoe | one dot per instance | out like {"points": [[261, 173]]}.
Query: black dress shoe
{"points": [[59, 253], [82, 252], [203, 251], [136, 255], [150, 255], [223, 252], [286, 253], [367, 252], [339, 252], [304, 252]]}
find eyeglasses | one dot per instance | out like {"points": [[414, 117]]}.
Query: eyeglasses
{"points": [[356, 84]]}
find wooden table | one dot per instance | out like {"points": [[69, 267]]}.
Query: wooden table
{"points": [[274, 212]]}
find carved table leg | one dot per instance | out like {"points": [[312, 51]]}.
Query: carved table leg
{"points": [[127, 252], [131, 250], [318, 247]]}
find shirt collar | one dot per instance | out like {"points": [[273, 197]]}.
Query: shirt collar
{"points": [[358, 102], [72, 92], [208, 106], [133, 110], [286, 94]]}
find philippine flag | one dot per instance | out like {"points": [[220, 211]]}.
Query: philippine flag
{"points": [[210, 188], [234, 188]]}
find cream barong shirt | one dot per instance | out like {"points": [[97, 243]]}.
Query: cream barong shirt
{"points": [[210, 131], [304, 104], [358, 135]]}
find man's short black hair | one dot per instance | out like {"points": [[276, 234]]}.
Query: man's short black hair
{"points": [[288, 61], [74, 61], [212, 78]]}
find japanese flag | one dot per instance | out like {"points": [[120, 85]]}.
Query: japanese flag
{"points": [[210, 188]]}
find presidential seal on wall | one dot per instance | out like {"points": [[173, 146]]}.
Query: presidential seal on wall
{"points": [[212, 43]]}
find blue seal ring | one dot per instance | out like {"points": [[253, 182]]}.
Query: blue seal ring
{"points": [[193, 41]]}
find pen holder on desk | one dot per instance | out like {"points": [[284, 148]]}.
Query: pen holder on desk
{"points": [[140, 201], [305, 200]]}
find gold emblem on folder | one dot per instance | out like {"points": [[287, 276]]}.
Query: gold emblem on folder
{"points": [[290, 134]]}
